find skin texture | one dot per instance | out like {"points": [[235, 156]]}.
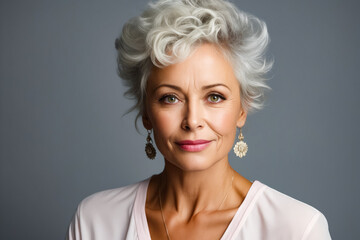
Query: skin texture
{"points": [[197, 99]]}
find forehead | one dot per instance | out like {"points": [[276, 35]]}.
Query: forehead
{"points": [[206, 65]]}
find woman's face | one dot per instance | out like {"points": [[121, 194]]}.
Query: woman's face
{"points": [[194, 108]]}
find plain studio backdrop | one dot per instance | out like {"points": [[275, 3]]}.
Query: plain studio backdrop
{"points": [[63, 135]]}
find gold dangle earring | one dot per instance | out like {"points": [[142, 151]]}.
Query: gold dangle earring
{"points": [[241, 147], [149, 148]]}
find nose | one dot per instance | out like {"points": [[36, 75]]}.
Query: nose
{"points": [[193, 116]]}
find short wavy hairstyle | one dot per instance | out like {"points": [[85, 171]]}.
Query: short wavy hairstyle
{"points": [[169, 30]]}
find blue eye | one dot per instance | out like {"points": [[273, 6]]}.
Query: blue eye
{"points": [[215, 98], [170, 99]]}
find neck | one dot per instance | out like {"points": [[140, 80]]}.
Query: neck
{"points": [[190, 192]]}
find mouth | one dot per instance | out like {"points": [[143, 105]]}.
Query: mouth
{"points": [[193, 146]]}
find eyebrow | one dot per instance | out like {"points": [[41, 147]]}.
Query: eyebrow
{"points": [[203, 88], [215, 85], [167, 85]]}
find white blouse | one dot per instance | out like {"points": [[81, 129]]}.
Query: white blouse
{"points": [[264, 214]]}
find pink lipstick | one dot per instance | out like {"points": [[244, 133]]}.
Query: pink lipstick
{"points": [[193, 146]]}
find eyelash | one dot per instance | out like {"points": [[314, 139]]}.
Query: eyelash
{"points": [[220, 96], [163, 98]]}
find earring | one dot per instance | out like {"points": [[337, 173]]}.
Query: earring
{"points": [[240, 147], [149, 148]]}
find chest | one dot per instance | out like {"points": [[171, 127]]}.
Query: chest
{"points": [[200, 226]]}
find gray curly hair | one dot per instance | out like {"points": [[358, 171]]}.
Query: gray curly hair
{"points": [[169, 30]]}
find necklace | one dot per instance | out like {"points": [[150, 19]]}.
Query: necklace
{"points": [[162, 213]]}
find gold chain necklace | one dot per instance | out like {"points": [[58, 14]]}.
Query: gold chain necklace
{"points": [[162, 213]]}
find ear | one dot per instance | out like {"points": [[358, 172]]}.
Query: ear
{"points": [[241, 119], [146, 121]]}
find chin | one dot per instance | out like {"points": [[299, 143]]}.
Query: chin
{"points": [[192, 163]]}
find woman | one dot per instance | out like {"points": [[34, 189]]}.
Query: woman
{"points": [[195, 68]]}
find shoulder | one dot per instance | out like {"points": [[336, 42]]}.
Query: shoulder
{"points": [[279, 202], [106, 214], [108, 201], [294, 217]]}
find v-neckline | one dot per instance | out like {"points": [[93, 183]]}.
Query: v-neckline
{"points": [[232, 229]]}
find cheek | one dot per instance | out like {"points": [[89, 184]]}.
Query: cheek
{"points": [[224, 122], [164, 123]]}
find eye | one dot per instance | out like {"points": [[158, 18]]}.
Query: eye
{"points": [[169, 99], [215, 98]]}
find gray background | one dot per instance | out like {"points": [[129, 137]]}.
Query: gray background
{"points": [[63, 136]]}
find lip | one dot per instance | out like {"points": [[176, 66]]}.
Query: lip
{"points": [[193, 145]]}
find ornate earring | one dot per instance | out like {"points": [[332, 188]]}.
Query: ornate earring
{"points": [[149, 148], [240, 147]]}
